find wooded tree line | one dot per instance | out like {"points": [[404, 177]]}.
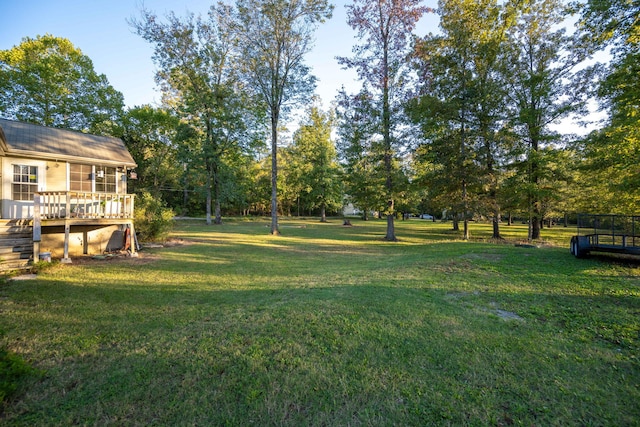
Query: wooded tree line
{"points": [[465, 120]]}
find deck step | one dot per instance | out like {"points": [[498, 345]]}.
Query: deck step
{"points": [[7, 266], [16, 244]]}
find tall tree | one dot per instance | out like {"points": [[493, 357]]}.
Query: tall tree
{"points": [[358, 139], [195, 69], [461, 107], [384, 28], [613, 153], [48, 81], [274, 37], [545, 86], [316, 164]]}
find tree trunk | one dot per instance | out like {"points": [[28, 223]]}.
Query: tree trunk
{"points": [[386, 136], [208, 207], [323, 214], [535, 224], [465, 235], [391, 232], [534, 179], [274, 174], [185, 193], [496, 225], [216, 186], [218, 215], [496, 218]]}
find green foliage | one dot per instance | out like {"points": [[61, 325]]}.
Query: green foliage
{"points": [[495, 79], [314, 169], [150, 136], [198, 75], [357, 146], [546, 83], [153, 220], [384, 30], [49, 81], [462, 111], [612, 154]]}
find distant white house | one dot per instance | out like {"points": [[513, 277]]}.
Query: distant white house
{"points": [[350, 210]]}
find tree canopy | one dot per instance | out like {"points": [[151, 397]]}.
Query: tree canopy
{"points": [[315, 162], [464, 120], [48, 81], [196, 72]]}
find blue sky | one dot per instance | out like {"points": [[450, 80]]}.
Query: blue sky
{"points": [[99, 28]]}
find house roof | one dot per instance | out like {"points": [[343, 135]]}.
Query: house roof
{"points": [[29, 140]]}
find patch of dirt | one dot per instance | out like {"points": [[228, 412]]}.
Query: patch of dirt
{"points": [[21, 277], [507, 315], [143, 257], [485, 256], [459, 295], [170, 243], [124, 259], [453, 266]]}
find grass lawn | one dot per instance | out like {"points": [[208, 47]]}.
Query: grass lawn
{"points": [[329, 325]]}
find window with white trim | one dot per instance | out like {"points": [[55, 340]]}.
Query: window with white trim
{"points": [[25, 182]]}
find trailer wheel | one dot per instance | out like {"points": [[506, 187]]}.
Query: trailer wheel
{"points": [[580, 246]]}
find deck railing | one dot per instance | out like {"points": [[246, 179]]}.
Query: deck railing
{"points": [[76, 204]]}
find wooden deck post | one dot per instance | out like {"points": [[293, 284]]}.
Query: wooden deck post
{"points": [[134, 240], [37, 228], [67, 229]]}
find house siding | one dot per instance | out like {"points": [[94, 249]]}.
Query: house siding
{"points": [[56, 176]]}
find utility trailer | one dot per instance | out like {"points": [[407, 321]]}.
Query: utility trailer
{"points": [[606, 233]]}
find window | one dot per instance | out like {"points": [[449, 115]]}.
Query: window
{"points": [[105, 179], [80, 178], [25, 182]]}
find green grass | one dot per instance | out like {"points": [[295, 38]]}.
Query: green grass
{"points": [[329, 325]]}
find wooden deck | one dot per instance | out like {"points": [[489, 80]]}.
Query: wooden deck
{"points": [[62, 213]]}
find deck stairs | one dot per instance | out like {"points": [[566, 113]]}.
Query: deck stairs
{"points": [[16, 244]]}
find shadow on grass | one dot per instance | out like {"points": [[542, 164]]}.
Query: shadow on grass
{"points": [[368, 354]]}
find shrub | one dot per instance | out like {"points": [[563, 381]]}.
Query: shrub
{"points": [[153, 220]]}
